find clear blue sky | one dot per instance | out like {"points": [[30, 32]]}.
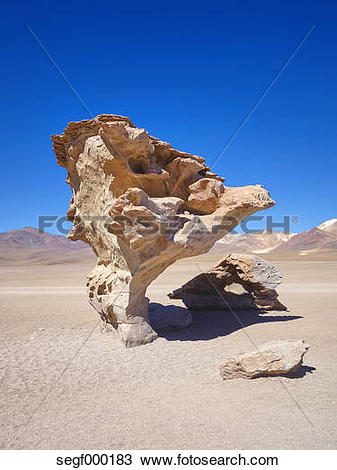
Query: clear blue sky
{"points": [[188, 73]]}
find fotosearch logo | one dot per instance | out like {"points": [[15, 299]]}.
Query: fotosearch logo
{"points": [[144, 225]]}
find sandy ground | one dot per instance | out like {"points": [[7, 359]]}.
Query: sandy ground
{"points": [[65, 385]]}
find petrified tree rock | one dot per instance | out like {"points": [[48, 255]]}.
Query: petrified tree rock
{"points": [[211, 290], [135, 201], [270, 359]]}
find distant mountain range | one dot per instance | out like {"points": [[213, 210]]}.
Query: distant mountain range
{"points": [[263, 242], [32, 246], [321, 239], [35, 239]]}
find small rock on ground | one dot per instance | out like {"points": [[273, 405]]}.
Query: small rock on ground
{"points": [[269, 359]]}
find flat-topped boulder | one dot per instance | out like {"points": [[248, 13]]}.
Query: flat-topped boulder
{"points": [[240, 281], [274, 358]]}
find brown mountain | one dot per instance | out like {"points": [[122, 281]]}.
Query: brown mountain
{"points": [[263, 242], [320, 242], [33, 238], [313, 240], [32, 246]]}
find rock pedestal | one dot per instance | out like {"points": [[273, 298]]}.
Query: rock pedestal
{"points": [[141, 205]]}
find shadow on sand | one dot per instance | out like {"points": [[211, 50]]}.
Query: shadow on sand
{"points": [[301, 372], [214, 323]]}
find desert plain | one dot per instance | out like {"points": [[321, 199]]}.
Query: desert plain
{"points": [[66, 385]]}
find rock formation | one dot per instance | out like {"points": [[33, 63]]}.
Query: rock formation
{"points": [[270, 359], [141, 205], [211, 290]]}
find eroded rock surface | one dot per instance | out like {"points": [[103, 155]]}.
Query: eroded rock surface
{"points": [[218, 287], [141, 205], [270, 359]]}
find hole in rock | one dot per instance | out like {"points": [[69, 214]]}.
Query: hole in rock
{"points": [[138, 165]]}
